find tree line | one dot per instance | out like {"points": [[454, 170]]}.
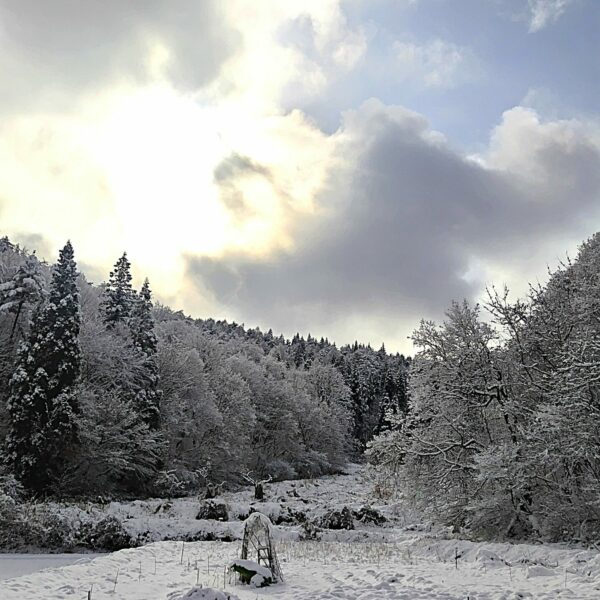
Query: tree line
{"points": [[502, 435], [103, 391]]}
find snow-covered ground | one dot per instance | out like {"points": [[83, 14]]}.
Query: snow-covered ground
{"points": [[15, 565], [317, 570], [158, 519], [398, 559]]}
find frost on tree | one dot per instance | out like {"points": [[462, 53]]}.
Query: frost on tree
{"points": [[25, 287], [42, 405], [130, 315], [118, 296], [141, 324], [257, 544]]}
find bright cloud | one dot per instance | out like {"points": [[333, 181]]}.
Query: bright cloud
{"points": [[190, 139], [133, 165], [545, 12]]}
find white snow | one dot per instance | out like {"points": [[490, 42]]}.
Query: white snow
{"points": [[16, 565], [250, 565], [413, 569], [258, 517], [400, 560], [199, 593]]}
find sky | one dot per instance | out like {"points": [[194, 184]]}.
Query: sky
{"points": [[339, 167]]}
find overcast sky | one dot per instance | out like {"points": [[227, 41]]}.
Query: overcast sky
{"points": [[343, 168]]}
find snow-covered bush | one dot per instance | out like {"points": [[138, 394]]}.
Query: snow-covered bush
{"points": [[11, 487], [211, 510], [337, 519], [10, 512], [28, 525], [368, 514], [202, 593], [106, 534], [309, 531], [176, 483]]}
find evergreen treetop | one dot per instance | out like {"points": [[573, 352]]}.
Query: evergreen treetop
{"points": [[142, 322], [119, 296]]}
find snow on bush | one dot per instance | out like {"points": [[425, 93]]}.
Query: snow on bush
{"points": [[338, 519], [199, 593], [213, 511]]}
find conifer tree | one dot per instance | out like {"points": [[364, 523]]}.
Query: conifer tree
{"points": [[118, 296], [25, 287], [42, 405], [142, 332], [142, 322]]}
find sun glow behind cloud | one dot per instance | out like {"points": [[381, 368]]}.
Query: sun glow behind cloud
{"points": [[184, 137], [133, 166]]}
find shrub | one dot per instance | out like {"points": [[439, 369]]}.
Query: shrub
{"points": [[338, 519], [367, 514], [107, 534], [213, 511]]}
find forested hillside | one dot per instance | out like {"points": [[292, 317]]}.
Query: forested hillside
{"points": [[502, 438], [104, 392]]}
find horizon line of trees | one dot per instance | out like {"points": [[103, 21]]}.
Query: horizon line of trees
{"points": [[102, 392]]}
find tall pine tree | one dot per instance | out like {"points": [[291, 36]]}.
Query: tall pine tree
{"points": [[43, 405], [142, 322], [119, 296], [142, 332]]}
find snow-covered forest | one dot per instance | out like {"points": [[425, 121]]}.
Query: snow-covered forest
{"points": [[129, 427], [299, 300], [502, 435], [103, 392]]}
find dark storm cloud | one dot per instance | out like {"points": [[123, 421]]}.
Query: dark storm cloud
{"points": [[50, 50], [404, 219]]}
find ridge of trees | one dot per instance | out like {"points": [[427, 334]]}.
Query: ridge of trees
{"points": [[103, 391]]}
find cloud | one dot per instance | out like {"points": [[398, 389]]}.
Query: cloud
{"points": [[35, 242], [229, 175], [406, 223], [436, 64], [126, 124], [545, 12], [175, 135], [51, 51]]}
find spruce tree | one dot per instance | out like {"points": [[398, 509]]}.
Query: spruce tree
{"points": [[144, 339], [142, 322], [119, 296], [43, 405]]}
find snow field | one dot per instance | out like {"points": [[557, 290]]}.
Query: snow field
{"points": [[415, 569], [400, 560]]}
